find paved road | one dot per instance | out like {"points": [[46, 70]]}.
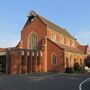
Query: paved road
{"points": [[86, 85], [43, 82]]}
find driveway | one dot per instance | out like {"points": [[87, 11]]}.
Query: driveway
{"points": [[43, 82]]}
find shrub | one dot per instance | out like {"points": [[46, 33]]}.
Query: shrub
{"points": [[87, 61], [76, 67], [69, 70], [82, 69]]}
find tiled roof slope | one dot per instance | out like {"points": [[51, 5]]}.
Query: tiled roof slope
{"points": [[71, 49], [56, 28], [88, 51], [2, 49], [62, 31], [53, 26], [83, 48], [5, 49], [67, 48]]}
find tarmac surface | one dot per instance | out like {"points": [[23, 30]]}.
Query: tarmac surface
{"points": [[45, 81]]}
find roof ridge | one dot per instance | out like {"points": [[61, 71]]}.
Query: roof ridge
{"points": [[50, 21], [52, 25]]}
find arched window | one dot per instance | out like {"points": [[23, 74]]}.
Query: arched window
{"points": [[53, 59], [33, 41], [61, 39], [53, 36]]}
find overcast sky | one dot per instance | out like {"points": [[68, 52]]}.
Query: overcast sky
{"points": [[73, 15]]}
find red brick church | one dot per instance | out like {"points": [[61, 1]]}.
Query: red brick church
{"points": [[44, 47]]}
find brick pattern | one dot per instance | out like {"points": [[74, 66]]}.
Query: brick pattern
{"points": [[24, 63], [52, 48], [22, 60]]}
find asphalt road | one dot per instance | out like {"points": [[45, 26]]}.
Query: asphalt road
{"points": [[44, 82], [86, 85]]}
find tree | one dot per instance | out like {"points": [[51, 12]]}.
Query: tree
{"points": [[87, 61]]}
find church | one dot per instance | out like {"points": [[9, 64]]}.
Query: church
{"points": [[44, 47]]}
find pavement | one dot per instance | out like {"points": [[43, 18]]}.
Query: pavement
{"points": [[44, 81]]}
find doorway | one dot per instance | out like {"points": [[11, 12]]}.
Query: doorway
{"points": [[2, 64]]}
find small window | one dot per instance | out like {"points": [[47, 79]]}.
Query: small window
{"points": [[53, 36], [68, 43], [61, 39], [53, 59], [73, 44]]}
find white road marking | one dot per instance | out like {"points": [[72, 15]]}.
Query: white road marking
{"points": [[80, 85]]}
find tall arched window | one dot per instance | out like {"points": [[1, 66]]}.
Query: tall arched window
{"points": [[33, 41], [53, 59]]}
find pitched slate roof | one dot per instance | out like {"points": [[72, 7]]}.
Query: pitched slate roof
{"points": [[68, 48], [83, 48], [53, 26], [88, 51], [71, 49], [2, 49], [60, 30]]}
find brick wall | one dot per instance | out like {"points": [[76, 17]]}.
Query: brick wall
{"points": [[52, 48], [24, 61], [37, 26]]}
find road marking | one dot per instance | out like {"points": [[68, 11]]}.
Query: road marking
{"points": [[80, 85]]}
